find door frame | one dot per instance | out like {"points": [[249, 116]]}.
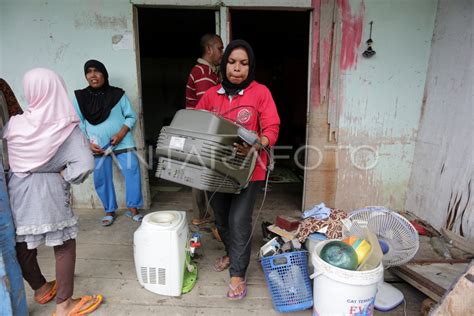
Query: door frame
{"points": [[223, 25]]}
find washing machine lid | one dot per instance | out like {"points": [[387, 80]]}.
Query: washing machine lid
{"points": [[165, 220]]}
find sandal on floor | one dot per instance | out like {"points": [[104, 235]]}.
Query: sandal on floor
{"points": [[137, 218], [107, 220], [78, 308], [49, 295], [240, 296], [201, 221], [221, 264]]}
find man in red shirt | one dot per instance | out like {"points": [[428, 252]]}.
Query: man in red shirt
{"points": [[204, 75]]}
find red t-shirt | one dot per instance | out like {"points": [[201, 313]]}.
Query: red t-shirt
{"points": [[199, 81], [252, 108]]}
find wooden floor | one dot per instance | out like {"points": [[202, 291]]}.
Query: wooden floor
{"points": [[105, 265]]}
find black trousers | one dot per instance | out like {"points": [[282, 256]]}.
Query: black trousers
{"points": [[233, 215]]}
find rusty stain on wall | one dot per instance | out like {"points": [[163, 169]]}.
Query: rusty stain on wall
{"points": [[95, 20], [352, 26]]}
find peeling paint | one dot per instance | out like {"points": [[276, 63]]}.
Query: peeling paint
{"points": [[123, 41], [116, 38], [352, 26], [60, 52], [95, 20]]}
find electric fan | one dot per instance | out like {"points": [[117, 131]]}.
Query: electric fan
{"points": [[398, 240]]}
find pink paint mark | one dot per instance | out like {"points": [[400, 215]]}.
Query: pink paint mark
{"points": [[315, 79], [351, 33]]}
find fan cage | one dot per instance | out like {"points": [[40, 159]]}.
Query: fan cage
{"points": [[390, 227]]}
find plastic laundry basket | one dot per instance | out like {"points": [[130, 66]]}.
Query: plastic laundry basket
{"points": [[288, 281]]}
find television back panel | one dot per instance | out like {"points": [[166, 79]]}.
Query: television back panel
{"points": [[202, 142]]}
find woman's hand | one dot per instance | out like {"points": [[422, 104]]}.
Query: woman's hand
{"points": [[245, 149], [117, 138], [96, 149]]}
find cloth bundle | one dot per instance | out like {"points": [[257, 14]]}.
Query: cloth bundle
{"points": [[332, 225]]}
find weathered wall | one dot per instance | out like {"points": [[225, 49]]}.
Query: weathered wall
{"points": [[379, 99], [62, 35], [441, 183], [364, 113]]}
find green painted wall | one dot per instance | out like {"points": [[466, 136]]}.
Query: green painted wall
{"points": [[62, 35], [381, 100]]}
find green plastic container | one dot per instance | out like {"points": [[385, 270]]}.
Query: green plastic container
{"points": [[339, 254]]}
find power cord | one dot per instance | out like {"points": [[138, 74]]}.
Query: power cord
{"points": [[258, 213]]}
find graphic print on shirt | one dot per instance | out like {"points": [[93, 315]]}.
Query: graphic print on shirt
{"points": [[243, 116]]}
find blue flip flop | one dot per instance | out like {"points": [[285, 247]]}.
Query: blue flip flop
{"points": [[107, 220], [137, 218]]}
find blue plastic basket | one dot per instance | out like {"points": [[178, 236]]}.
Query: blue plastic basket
{"points": [[288, 281]]}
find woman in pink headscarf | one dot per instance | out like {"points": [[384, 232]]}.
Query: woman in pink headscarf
{"points": [[47, 153]]}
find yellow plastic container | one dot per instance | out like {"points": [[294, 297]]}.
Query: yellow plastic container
{"points": [[361, 247]]}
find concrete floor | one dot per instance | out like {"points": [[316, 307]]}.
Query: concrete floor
{"points": [[105, 265]]}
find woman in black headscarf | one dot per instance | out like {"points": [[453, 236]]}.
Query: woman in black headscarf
{"points": [[107, 118], [13, 107], [250, 104]]}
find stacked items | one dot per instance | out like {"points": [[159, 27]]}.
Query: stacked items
{"points": [[353, 253], [285, 266]]}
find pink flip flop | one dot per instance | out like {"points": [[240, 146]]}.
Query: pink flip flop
{"points": [[233, 288]]}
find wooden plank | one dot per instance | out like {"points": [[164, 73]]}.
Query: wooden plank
{"points": [[442, 274], [426, 286], [458, 241], [325, 46], [441, 185], [334, 87], [282, 232], [433, 279]]}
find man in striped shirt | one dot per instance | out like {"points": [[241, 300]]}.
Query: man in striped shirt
{"points": [[204, 74]]}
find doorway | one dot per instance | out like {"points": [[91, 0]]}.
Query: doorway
{"points": [[169, 46], [280, 40]]}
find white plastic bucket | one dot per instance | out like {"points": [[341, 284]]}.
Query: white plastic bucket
{"points": [[310, 245], [343, 292]]}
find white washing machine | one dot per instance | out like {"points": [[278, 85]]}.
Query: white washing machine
{"points": [[159, 248]]}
